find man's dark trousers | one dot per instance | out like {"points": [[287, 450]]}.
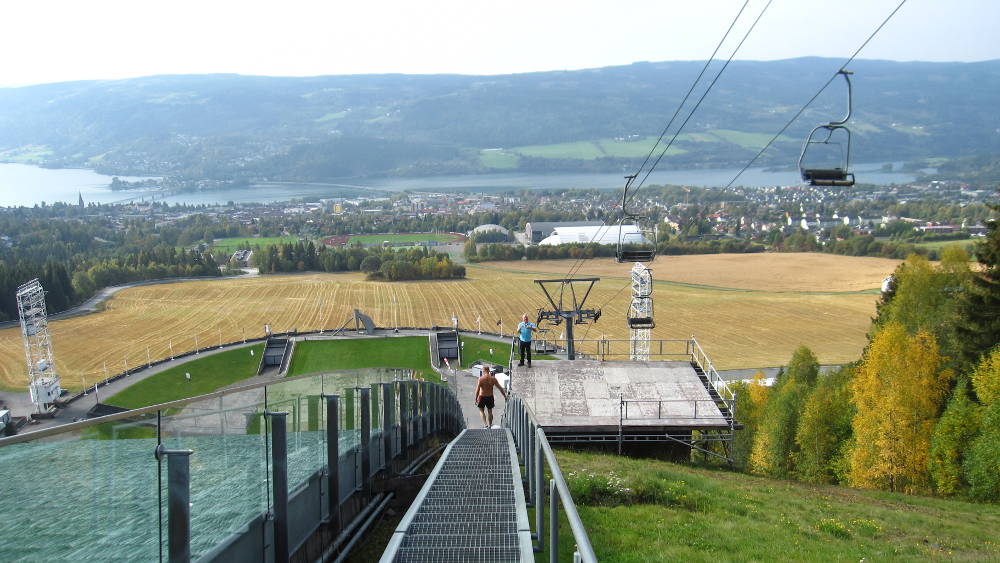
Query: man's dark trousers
{"points": [[525, 349]]}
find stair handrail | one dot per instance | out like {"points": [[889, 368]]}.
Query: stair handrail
{"points": [[532, 443], [720, 385]]}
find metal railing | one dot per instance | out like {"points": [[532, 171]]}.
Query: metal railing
{"points": [[255, 473], [708, 411], [536, 453]]}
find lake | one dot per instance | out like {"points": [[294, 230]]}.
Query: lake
{"points": [[22, 184]]}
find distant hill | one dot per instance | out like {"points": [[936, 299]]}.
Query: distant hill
{"points": [[315, 128]]}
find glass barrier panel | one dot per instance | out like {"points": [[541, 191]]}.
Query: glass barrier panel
{"points": [[230, 466], [86, 494], [305, 425]]}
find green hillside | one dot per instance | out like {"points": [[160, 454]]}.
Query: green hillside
{"points": [[646, 510]]}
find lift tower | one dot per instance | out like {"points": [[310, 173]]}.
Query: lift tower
{"points": [[43, 382], [568, 307], [640, 312]]}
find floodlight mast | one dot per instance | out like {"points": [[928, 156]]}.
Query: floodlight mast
{"points": [[573, 313], [43, 382]]}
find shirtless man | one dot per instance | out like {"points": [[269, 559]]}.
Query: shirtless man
{"points": [[484, 395]]}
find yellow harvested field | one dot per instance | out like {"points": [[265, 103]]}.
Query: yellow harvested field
{"points": [[806, 271], [738, 329]]}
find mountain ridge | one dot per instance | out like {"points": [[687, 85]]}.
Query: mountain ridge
{"points": [[313, 128]]}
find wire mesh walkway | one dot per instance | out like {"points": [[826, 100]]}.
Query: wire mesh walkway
{"points": [[470, 509]]}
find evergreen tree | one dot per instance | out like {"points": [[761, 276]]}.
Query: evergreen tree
{"points": [[980, 303]]}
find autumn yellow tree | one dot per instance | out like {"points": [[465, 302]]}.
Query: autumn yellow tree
{"points": [[986, 378], [750, 400], [898, 392]]}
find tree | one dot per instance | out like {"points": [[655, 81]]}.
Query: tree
{"points": [[986, 378], [824, 428], [897, 392], [774, 447], [982, 463], [750, 400], [371, 264], [980, 304], [954, 432]]}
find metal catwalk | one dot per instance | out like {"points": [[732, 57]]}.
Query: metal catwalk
{"points": [[471, 508]]}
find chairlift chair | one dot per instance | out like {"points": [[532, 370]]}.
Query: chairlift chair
{"points": [[636, 319], [637, 244], [824, 135]]}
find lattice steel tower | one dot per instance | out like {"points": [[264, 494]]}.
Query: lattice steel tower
{"points": [[43, 383], [640, 312]]}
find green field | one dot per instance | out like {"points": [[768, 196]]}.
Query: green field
{"points": [[209, 373], [638, 148], [399, 239], [410, 352], [498, 158], [644, 510], [27, 154], [231, 244], [967, 245]]}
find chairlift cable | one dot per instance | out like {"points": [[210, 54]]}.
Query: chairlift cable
{"points": [[575, 267], [700, 100], [816, 95], [691, 89]]}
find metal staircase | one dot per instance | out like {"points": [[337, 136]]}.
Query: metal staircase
{"points": [[471, 508]]}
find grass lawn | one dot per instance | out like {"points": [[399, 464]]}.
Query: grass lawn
{"points": [[479, 349], [417, 237], [230, 244], [410, 352], [645, 510], [967, 244], [209, 373]]}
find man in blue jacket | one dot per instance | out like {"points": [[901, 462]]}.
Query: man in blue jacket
{"points": [[524, 330]]}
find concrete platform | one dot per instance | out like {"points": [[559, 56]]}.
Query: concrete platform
{"points": [[585, 396]]}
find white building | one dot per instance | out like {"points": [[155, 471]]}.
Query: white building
{"points": [[600, 234]]}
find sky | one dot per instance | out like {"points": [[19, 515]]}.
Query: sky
{"points": [[58, 40]]}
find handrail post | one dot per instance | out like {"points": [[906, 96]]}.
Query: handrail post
{"points": [[365, 440], [539, 493], [178, 502], [333, 460], [553, 522], [279, 483], [621, 407]]}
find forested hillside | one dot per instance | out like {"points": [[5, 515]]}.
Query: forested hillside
{"points": [[229, 126], [918, 413]]}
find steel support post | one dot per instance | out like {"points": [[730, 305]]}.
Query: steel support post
{"points": [[570, 344], [333, 460], [366, 440], [388, 423], [404, 417], [279, 483], [553, 522], [178, 502]]}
